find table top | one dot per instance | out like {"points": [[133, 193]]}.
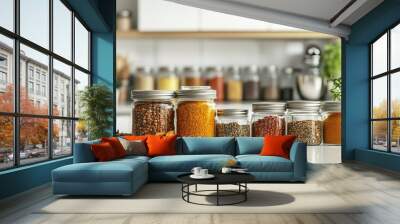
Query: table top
{"points": [[220, 178]]}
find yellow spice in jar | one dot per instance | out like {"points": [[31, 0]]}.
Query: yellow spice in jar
{"points": [[170, 83], [195, 118]]}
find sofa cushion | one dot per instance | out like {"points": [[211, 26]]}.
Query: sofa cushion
{"points": [[206, 145], [249, 145], [112, 171], [104, 152], [161, 145], [116, 145], [257, 163], [277, 145], [185, 163]]}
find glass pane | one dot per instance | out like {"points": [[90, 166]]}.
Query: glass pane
{"points": [[379, 55], [81, 45], [6, 74], [379, 97], [81, 82], [395, 47], [379, 135], [62, 138], [7, 14], [62, 89], [6, 142], [395, 94], [395, 138], [35, 21], [33, 139], [62, 29], [81, 132], [34, 92]]}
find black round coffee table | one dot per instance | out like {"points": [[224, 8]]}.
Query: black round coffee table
{"points": [[238, 179]]}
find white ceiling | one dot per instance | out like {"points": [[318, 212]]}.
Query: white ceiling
{"points": [[313, 15]]}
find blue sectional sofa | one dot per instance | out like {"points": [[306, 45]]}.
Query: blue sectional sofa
{"points": [[125, 176]]}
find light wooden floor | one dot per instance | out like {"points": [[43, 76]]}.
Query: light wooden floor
{"points": [[379, 189]]}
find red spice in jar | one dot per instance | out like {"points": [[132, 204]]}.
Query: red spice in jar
{"points": [[269, 125], [217, 83]]}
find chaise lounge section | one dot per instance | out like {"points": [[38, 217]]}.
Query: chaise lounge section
{"points": [[125, 176]]}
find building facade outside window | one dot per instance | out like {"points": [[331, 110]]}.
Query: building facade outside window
{"points": [[385, 94], [41, 124]]}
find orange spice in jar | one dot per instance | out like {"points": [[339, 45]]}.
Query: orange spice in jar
{"points": [[332, 123], [196, 112]]}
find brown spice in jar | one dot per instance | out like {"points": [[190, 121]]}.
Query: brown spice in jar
{"points": [[332, 128], [232, 129], [269, 125], [307, 131], [195, 118], [150, 118]]}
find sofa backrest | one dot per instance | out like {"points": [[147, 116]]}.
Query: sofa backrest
{"points": [[249, 145], [206, 145], [83, 152]]}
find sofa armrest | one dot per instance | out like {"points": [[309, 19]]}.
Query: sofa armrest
{"points": [[83, 152], [298, 155]]}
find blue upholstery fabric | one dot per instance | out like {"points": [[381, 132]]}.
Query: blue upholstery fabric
{"points": [[83, 152], [257, 163], [184, 163], [249, 145], [273, 176], [214, 145], [298, 155]]}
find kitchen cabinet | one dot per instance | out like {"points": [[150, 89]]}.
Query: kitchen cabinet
{"points": [[160, 15]]}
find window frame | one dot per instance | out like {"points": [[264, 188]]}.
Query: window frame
{"points": [[388, 74], [16, 114]]}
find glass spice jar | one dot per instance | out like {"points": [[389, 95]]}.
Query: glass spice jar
{"points": [[190, 77], [153, 112], [166, 79], [233, 85], [195, 113], [232, 123], [332, 122], [124, 20], [143, 79], [251, 83], [304, 121], [268, 118], [269, 83], [214, 78]]}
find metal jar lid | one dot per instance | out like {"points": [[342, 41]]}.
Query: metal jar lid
{"points": [[125, 13], [152, 95], [331, 106], [274, 107], [232, 112], [304, 105], [196, 92]]}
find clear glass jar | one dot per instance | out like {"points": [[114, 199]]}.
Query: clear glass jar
{"points": [[269, 83], [152, 112], [195, 113], [286, 84], [232, 123], [143, 79], [233, 85], [268, 118], [304, 121], [251, 83], [190, 77], [213, 77], [166, 79], [332, 122], [124, 20]]}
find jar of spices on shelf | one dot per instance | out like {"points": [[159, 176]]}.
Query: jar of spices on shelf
{"points": [[153, 112], [233, 84], [269, 83], [286, 84], [213, 77], [143, 79], [166, 79], [304, 121], [124, 20], [251, 83], [332, 122], [232, 123], [195, 112], [268, 118], [190, 77]]}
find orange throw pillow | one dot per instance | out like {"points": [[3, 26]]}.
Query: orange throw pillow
{"points": [[116, 145], [135, 137], [103, 152], [277, 145], [161, 145]]}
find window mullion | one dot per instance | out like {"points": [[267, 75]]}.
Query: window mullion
{"points": [[73, 82], [16, 84], [389, 101]]}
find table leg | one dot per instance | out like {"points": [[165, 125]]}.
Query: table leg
{"points": [[245, 193], [217, 194], [195, 188]]}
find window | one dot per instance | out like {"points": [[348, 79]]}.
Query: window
{"points": [[48, 80], [385, 95]]}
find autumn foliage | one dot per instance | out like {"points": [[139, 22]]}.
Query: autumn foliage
{"points": [[380, 127], [33, 131]]}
